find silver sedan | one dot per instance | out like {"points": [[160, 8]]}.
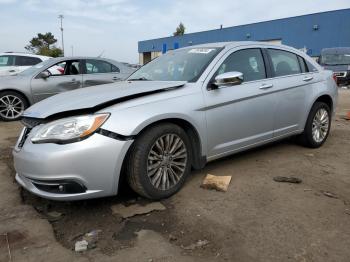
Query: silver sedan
{"points": [[178, 112], [55, 76]]}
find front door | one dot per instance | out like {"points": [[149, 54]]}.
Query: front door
{"points": [[63, 76], [241, 115]]}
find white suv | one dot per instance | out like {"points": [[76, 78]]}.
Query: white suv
{"points": [[13, 63]]}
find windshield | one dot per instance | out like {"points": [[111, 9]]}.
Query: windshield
{"points": [[34, 69], [335, 59], [180, 65]]}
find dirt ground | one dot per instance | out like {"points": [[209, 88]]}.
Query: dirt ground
{"points": [[257, 219]]}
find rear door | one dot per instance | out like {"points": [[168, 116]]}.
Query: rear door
{"points": [[98, 72], [292, 83], [64, 76], [242, 115], [7, 64]]}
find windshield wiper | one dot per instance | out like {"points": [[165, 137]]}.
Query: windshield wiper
{"points": [[139, 79]]}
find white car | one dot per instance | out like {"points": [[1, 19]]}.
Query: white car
{"points": [[14, 63]]}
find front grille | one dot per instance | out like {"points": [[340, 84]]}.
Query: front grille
{"points": [[31, 122]]}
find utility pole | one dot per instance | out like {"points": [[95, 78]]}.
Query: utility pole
{"points": [[61, 18]]}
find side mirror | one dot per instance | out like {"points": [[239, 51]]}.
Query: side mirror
{"points": [[44, 74], [228, 79]]}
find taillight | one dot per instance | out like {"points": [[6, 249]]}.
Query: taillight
{"points": [[335, 79]]}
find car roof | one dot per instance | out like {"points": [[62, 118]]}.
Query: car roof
{"points": [[336, 50], [58, 59], [229, 45], [26, 54]]}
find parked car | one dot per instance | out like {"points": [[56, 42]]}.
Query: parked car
{"points": [[14, 63], [55, 76], [337, 59], [180, 111]]}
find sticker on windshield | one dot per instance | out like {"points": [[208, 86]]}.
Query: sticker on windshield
{"points": [[200, 50]]}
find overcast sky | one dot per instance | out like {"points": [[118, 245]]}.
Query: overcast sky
{"points": [[115, 26]]}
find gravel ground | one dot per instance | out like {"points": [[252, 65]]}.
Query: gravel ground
{"points": [[257, 219]]}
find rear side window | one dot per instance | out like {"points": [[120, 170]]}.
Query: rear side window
{"points": [[27, 61], [98, 66], [284, 63], [250, 62], [6, 60]]}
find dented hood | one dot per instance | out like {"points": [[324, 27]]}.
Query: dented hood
{"points": [[98, 97]]}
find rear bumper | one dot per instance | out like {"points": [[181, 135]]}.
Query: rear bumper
{"points": [[81, 170]]}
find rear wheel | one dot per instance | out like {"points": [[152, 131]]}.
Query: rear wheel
{"points": [[12, 105], [159, 161], [317, 126]]}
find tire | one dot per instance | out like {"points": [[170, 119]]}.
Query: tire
{"points": [[12, 105], [150, 175], [309, 138]]}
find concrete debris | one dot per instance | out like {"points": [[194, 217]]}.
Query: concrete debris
{"points": [[294, 180], [198, 244], [347, 117], [172, 237], [329, 194], [81, 246], [136, 209], [310, 155], [54, 216], [218, 183]]}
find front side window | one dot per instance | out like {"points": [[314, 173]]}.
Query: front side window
{"points": [[180, 65], [284, 63], [6, 60], [98, 66], [71, 67], [249, 62], [27, 61]]}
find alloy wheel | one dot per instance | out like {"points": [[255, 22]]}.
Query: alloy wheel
{"points": [[11, 107], [320, 125], [166, 162]]}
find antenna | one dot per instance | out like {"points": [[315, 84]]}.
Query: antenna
{"points": [[100, 55]]}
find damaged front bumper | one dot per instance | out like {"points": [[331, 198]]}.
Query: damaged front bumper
{"points": [[81, 170]]}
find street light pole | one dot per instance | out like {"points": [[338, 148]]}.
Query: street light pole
{"points": [[61, 18]]}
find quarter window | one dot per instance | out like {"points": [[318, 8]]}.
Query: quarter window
{"points": [[248, 61], [98, 66], [284, 63]]}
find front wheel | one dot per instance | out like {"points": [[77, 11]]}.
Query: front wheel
{"points": [[12, 105], [317, 126], [159, 161]]}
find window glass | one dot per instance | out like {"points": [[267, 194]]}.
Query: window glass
{"points": [[284, 63], [27, 61], [98, 66], [71, 67], [302, 63], [57, 69], [6, 60], [249, 62], [185, 64]]}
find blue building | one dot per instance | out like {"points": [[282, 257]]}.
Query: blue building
{"points": [[311, 33]]}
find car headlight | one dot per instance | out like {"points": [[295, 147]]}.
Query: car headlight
{"points": [[68, 130]]}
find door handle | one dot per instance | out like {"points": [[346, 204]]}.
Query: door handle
{"points": [[266, 86], [116, 78], [74, 80], [308, 78]]}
